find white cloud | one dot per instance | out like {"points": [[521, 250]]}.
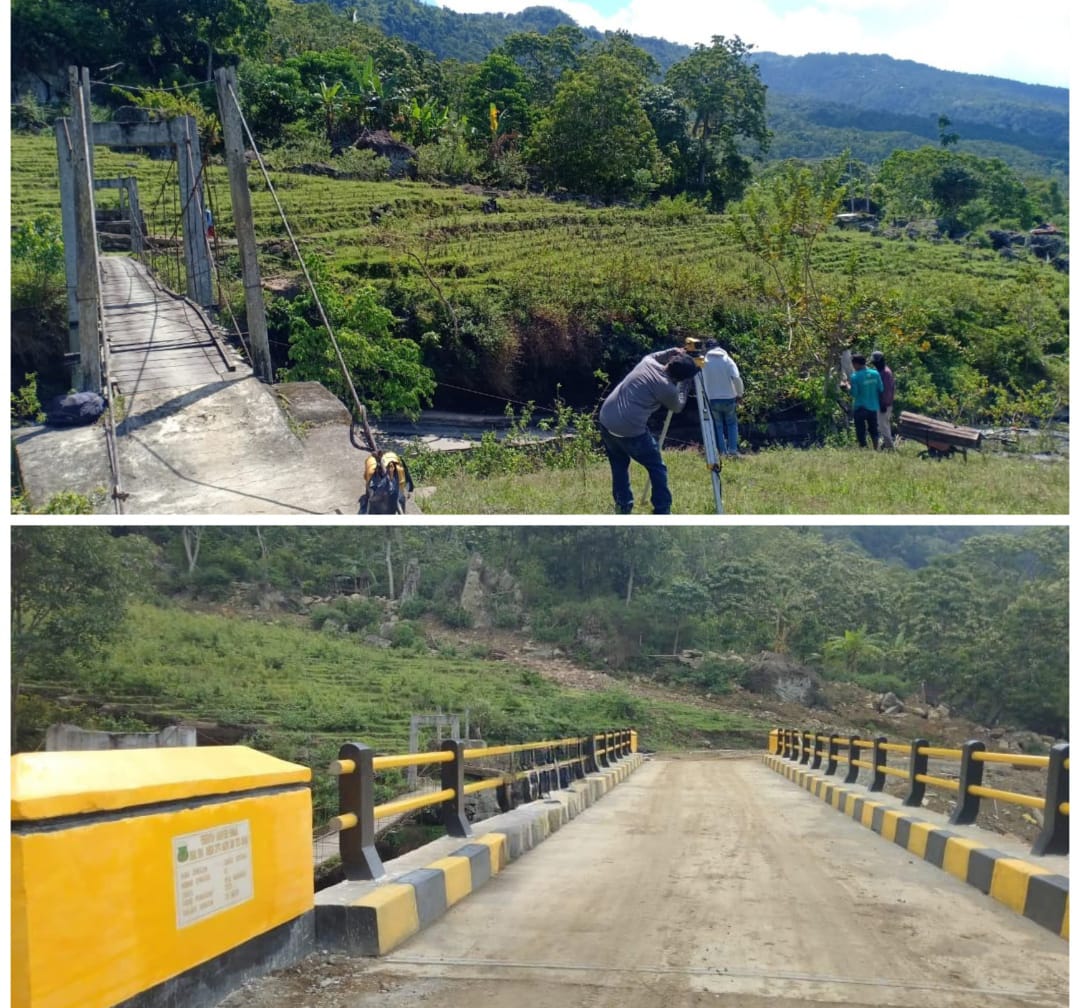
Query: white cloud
{"points": [[993, 37]]}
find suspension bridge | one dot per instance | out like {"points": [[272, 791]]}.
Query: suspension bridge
{"points": [[196, 432], [192, 426]]}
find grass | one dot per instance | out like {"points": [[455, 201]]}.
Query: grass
{"points": [[782, 481], [298, 693]]}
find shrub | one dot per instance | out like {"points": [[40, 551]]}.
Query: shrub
{"points": [[405, 635]]}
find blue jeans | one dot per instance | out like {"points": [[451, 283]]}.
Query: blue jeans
{"points": [[723, 414], [643, 449]]}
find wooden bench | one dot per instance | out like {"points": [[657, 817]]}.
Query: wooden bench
{"points": [[942, 439]]}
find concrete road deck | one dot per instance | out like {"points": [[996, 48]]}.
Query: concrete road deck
{"points": [[703, 882]]}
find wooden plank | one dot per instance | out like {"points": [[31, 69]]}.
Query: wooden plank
{"points": [[937, 434]]}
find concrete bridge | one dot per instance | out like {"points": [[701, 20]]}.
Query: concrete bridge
{"points": [[689, 879]]}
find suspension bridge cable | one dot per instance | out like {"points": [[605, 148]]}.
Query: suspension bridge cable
{"points": [[361, 412]]}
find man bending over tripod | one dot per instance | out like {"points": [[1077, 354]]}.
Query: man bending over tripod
{"points": [[659, 379]]}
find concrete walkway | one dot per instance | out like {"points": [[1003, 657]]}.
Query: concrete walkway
{"points": [[200, 434]]}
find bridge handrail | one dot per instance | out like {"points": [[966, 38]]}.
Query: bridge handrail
{"points": [[806, 747], [555, 764]]}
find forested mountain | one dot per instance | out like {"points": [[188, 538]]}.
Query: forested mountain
{"points": [[818, 104]]}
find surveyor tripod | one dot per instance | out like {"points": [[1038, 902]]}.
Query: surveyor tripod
{"points": [[708, 435]]}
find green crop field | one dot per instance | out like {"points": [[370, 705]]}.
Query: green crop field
{"points": [[549, 300]]}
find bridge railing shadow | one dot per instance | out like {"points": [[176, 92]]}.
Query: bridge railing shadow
{"points": [[965, 788], [524, 772]]}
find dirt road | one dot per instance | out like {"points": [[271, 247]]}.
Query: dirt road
{"points": [[676, 890]]}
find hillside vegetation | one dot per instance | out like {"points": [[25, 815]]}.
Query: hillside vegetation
{"points": [[522, 228], [298, 638]]}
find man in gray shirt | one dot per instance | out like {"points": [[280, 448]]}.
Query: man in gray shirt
{"points": [[660, 379]]}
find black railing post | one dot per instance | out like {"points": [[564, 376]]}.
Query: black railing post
{"points": [[830, 765], [1054, 838], [807, 743], [356, 796], [815, 759], [787, 743], [579, 762], [853, 754], [971, 775], [590, 754], [453, 776], [504, 795], [602, 756], [917, 764], [880, 758]]}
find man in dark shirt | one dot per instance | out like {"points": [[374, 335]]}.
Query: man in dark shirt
{"points": [[888, 394], [660, 379]]}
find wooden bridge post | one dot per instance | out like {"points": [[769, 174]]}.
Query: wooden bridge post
{"points": [[87, 294], [1054, 838], [232, 129], [184, 137]]}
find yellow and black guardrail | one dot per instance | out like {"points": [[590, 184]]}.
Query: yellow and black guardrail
{"points": [[373, 911], [547, 766], [1031, 889]]}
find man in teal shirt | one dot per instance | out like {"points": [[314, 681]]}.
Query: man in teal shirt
{"points": [[866, 389]]}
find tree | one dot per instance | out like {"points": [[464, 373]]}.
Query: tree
{"points": [[499, 81], [387, 372], [155, 40], [596, 137], [726, 101], [853, 653], [947, 139], [543, 59], [69, 588]]}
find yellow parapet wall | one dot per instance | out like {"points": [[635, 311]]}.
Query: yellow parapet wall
{"points": [[131, 867]]}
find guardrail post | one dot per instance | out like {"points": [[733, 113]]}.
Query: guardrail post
{"points": [[589, 744], [356, 796], [1054, 838], [971, 775], [791, 744], [504, 795], [602, 755], [917, 764], [815, 758], [830, 765], [804, 748], [579, 761], [880, 759], [853, 755], [453, 776]]}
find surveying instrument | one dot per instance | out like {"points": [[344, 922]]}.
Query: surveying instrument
{"points": [[708, 431]]}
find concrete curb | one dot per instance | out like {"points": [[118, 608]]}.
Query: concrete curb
{"points": [[1022, 885], [373, 918]]}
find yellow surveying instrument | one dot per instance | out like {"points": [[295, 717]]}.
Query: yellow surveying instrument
{"points": [[695, 349]]}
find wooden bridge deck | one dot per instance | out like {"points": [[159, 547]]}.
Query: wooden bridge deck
{"points": [[157, 341], [199, 433]]}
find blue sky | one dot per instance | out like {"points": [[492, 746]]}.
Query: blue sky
{"points": [[1029, 42]]}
